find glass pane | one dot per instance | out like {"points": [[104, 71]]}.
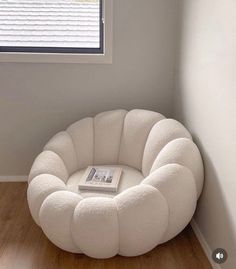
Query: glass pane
{"points": [[52, 23]]}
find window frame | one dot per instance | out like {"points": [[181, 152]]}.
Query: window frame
{"points": [[69, 55]]}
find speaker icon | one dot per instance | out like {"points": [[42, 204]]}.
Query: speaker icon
{"points": [[219, 255]]}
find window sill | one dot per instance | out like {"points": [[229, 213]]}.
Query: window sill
{"points": [[13, 57]]}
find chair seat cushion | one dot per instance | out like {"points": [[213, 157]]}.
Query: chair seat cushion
{"points": [[129, 178]]}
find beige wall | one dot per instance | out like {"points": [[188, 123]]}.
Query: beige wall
{"points": [[37, 100], [206, 103]]}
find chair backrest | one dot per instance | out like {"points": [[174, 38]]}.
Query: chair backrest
{"points": [[144, 140]]}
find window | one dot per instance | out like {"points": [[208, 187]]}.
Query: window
{"points": [[54, 27]]}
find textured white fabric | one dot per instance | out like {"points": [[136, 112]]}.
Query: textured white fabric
{"points": [[143, 218], [48, 162], [82, 134], [182, 151], [108, 127], [56, 214], [176, 184], [129, 178], [62, 145], [162, 132], [148, 209], [39, 188], [95, 227], [137, 125]]}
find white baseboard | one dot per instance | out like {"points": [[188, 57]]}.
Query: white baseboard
{"points": [[13, 178], [204, 244]]}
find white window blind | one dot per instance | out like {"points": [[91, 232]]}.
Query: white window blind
{"points": [[51, 25]]}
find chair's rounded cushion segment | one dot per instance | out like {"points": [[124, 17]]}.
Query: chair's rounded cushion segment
{"points": [[95, 227], [56, 216], [177, 185], [108, 127], [184, 152], [39, 188], [82, 134], [143, 218], [48, 162], [137, 125], [161, 134], [63, 146]]}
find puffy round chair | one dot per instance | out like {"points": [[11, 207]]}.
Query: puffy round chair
{"points": [[161, 181]]}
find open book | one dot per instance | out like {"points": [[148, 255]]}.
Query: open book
{"points": [[101, 178]]}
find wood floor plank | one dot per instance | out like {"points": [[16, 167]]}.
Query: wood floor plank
{"points": [[24, 246]]}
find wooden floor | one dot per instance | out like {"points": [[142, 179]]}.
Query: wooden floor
{"points": [[24, 246]]}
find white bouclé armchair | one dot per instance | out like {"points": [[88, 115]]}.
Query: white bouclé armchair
{"points": [[161, 181]]}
